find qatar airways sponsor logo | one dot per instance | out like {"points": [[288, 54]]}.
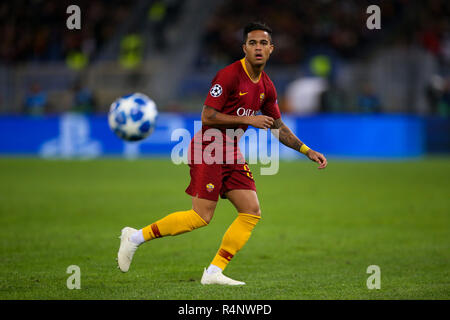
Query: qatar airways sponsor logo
{"points": [[256, 146], [241, 112]]}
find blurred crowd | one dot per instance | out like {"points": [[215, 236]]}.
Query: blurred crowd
{"points": [[316, 37], [313, 38], [302, 28], [35, 30]]}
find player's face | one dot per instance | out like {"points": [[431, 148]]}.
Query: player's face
{"points": [[258, 47]]}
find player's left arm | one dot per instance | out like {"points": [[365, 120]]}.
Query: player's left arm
{"points": [[286, 137]]}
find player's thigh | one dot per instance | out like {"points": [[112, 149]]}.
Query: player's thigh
{"points": [[245, 201], [204, 208]]}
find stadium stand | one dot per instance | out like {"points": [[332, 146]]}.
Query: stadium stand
{"points": [[170, 49]]}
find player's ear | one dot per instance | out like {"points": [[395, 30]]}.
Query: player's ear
{"points": [[244, 48]]}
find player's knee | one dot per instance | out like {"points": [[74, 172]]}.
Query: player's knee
{"points": [[206, 215], [255, 210], [207, 219], [205, 209]]}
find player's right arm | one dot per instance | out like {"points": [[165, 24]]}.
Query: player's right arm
{"points": [[213, 118]]}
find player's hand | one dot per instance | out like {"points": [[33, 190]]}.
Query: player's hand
{"points": [[317, 157], [261, 121]]}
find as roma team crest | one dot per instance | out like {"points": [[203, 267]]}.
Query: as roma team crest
{"points": [[261, 97], [210, 187]]}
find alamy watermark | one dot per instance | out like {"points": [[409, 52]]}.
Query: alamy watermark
{"points": [[374, 20], [74, 20], [214, 146], [74, 280], [374, 280]]}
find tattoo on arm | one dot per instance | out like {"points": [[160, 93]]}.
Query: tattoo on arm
{"points": [[286, 136]]}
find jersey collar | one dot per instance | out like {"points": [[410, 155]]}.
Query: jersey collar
{"points": [[245, 69]]}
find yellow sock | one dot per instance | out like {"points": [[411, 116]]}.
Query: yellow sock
{"points": [[235, 238], [173, 224]]}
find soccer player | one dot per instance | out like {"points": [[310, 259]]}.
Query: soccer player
{"points": [[237, 93]]}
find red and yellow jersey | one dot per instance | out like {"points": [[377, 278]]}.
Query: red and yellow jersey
{"points": [[232, 92]]}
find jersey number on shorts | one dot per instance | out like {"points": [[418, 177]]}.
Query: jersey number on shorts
{"points": [[248, 172]]}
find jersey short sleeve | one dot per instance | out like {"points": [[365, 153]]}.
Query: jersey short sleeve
{"points": [[220, 90], [270, 107]]}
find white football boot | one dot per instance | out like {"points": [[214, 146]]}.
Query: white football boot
{"points": [[219, 278], [126, 250]]}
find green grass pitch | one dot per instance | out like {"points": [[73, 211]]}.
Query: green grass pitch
{"points": [[319, 231]]}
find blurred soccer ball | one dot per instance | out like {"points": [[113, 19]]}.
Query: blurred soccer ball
{"points": [[132, 117]]}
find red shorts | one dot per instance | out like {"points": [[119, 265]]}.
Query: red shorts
{"points": [[208, 181]]}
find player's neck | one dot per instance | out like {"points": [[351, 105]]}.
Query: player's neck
{"points": [[254, 72]]}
